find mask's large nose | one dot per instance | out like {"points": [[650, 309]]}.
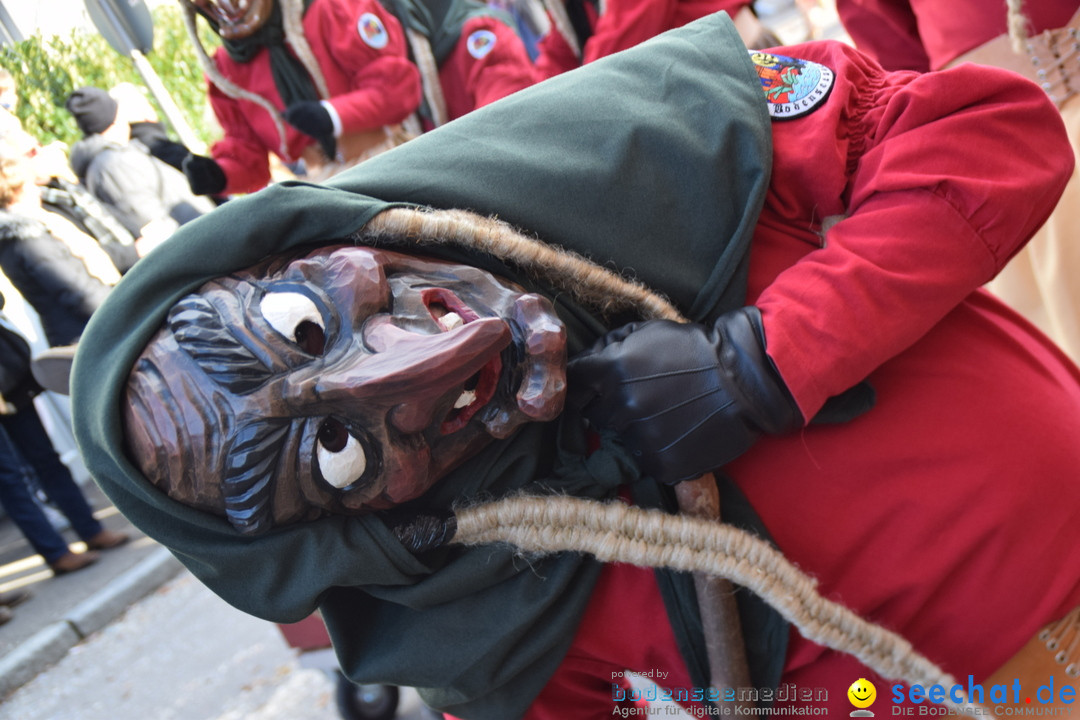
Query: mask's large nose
{"points": [[415, 375]]}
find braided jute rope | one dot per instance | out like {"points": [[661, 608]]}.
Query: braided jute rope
{"points": [[587, 282], [615, 532]]}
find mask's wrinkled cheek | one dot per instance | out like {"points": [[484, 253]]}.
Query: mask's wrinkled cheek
{"points": [[289, 501]]}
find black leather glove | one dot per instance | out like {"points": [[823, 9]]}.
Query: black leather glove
{"points": [[684, 398], [311, 118], [204, 175], [170, 153]]}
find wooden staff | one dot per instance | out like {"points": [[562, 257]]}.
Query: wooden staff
{"points": [[724, 644]]}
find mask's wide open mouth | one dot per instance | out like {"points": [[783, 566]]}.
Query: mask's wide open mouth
{"points": [[449, 312]]}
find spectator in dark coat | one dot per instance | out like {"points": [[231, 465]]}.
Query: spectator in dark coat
{"points": [[151, 198], [56, 283]]}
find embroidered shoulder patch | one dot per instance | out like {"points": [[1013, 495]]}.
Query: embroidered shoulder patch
{"points": [[480, 43], [792, 87], [372, 31]]}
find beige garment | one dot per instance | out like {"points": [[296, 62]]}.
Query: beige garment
{"points": [[1042, 282]]}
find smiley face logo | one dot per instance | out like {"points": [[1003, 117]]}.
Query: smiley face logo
{"points": [[862, 693]]}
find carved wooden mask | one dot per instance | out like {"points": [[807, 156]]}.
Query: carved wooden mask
{"points": [[344, 381]]}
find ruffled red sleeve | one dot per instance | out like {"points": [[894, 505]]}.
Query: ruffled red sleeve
{"points": [[942, 178]]}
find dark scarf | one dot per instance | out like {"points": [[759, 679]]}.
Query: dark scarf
{"points": [[654, 161], [291, 78]]}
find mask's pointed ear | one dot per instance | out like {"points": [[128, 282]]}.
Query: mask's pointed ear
{"points": [[846, 406]]}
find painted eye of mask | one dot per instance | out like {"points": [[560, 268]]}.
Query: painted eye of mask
{"points": [[295, 316], [341, 457], [339, 454]]}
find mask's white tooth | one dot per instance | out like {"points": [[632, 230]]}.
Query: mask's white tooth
{"points": [[451, 320], [465, 399]]}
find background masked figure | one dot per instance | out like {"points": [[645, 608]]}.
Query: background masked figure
{"points": [[810, 253], [323, 81]]}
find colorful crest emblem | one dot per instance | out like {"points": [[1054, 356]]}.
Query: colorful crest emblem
{"points": [[480, 43], [792, 87], [372, 31]]}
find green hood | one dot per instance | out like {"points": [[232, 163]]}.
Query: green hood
{"points": [[655, 162]]}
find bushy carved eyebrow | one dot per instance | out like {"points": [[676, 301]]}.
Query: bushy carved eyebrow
{"points": [[201, 333], [249, 469]]}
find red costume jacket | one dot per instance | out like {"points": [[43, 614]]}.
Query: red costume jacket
{"points": [[624, 24], [488, 62], [950, 512], [362, 52]]}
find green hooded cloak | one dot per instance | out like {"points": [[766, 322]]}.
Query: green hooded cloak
{"points": [[653, 162]]}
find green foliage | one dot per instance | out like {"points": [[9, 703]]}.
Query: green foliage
{"points": [[47, 70]]}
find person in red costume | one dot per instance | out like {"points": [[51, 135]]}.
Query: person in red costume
{"points": [[585, 30], [335, 93], [837, 251], [1037, 41], [477, 52], [947, 512]]}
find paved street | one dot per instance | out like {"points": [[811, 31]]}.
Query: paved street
{"points": [[182, 654]]}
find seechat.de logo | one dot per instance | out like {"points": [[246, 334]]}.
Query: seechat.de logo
{"points": [[862, 695]]}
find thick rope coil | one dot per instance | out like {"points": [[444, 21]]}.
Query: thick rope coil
{"points": [[585, 281], [619, 533], [614, 532], [606, 290], [227, 86]]}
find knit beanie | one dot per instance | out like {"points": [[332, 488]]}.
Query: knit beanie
{"points": [[93, 109]]}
